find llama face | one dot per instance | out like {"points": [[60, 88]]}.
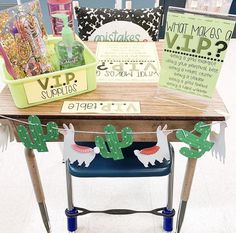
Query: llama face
{"points": [[163, 133], [67, 130]]}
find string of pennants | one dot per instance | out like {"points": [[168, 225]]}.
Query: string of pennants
{"points": [[198, 141]]}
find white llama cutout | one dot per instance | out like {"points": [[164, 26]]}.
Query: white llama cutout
{"points": [[157, 152], [74, 152]]}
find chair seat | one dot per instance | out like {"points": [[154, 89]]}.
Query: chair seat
{"points": [[130, 166]]}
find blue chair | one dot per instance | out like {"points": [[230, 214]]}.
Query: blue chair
{"points": [[128, 167]]}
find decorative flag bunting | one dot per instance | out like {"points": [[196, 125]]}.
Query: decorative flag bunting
{"points": [[39, 139], [36, 138], [199, 144], [158, 152], [74, 152], [114, 146]]}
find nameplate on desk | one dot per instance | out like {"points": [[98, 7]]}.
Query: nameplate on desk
{"points": [[101, 107], [56, 86]]}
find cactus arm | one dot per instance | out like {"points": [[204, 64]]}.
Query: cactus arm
{"points": [[191, 153], [38, 139], [52, 132], [127, 137], [186, 137], [199, 143], [203, 129], [193, 140]]}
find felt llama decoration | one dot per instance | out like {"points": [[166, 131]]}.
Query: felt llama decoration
{"points": [[74, 152], [158, 152]]}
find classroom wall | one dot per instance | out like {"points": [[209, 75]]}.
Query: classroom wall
{"points": [[102, 3], [110, 4]]}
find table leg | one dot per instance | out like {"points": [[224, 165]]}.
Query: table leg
{"points": [[186, 188], [37, 185]]}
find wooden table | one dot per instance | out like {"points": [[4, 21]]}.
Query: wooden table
{"points": [[157, 107], [154, 111]]}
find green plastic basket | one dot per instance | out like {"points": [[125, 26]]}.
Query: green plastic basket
{"points": [[53, 86]]}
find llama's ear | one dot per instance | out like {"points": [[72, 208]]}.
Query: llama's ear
{"points": [[65, 127], [63, 131], [165, 127], [71, 126], [158, 128]]}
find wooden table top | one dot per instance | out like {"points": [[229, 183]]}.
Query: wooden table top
{"points": [[156, 103]]}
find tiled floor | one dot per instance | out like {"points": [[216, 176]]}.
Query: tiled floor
{"points": [[211, 207]]}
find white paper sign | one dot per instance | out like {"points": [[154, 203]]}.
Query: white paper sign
{"points": [[127, 62], [56, 86], [101, 107]]}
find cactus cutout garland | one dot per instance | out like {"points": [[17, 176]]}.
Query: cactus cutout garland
{"points": [[39, 139], [114, 146], [199, 144]]}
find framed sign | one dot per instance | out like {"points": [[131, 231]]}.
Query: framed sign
{"points": [[194, 51]]}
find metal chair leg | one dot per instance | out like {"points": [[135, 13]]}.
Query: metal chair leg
{"points": [[168, 221], [71, 221]]}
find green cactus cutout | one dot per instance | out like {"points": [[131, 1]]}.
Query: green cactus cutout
{"points": [[114, 146], [199, 144], [38, 139]]}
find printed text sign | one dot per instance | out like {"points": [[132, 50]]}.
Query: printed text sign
{"points": [[56, 86], [127, 62], [194, 51], [100, 107]]}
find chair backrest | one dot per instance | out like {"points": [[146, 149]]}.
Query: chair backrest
{"points": [[106, 24]]}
